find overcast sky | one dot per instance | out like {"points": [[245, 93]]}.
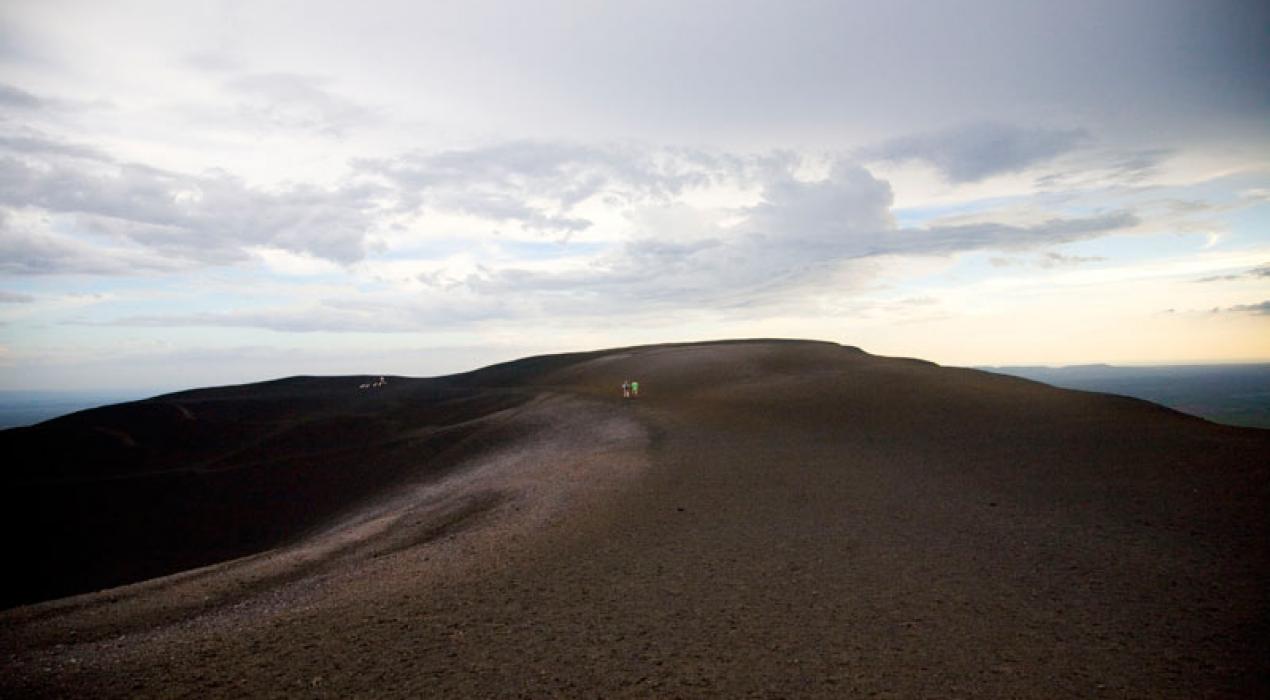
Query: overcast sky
{"points": [[209, 193]]}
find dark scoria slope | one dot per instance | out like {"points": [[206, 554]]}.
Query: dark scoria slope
{"points": [[124, 493], [781, 519]]}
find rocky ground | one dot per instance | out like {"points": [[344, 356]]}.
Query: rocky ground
{"points": [[768, 519]]}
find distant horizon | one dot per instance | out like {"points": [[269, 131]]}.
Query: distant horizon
{"points": [[1237, 393], [159, 389]]}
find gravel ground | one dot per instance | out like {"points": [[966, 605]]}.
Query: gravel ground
{"points": [[768, 519]]}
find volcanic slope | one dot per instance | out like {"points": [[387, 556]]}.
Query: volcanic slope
{"points": [[768, 518]]}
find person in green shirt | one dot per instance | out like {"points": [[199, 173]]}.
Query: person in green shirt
{"points": [[635, 389]]}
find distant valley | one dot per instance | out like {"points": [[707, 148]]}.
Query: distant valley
{"points": [[19, 408], [1230, 394]]}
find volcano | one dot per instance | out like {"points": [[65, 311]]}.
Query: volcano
{"points": [[766, 518]]}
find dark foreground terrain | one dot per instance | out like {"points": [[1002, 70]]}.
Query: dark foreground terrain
{"points": [[771, 519]]}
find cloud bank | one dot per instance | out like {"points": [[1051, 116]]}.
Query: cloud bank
{"points": [[800, 232]]}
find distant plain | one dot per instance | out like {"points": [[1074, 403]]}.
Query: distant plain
{"points": [[19, 408], [1236, 394]]}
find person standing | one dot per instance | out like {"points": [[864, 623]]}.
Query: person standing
{"points": [[635, 389], [626, 389]]}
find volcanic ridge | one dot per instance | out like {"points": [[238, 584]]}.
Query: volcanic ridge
{"points": [[767, 518]]}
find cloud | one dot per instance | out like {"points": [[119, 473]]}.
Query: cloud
{"points": [[1046, 260], [1110, 168], [799, 235], [1136, 165], [15, 97], [334, 316], [994, 236], [17, 100], [974, 152], [539, 184], [792, 234], [1052, 259], [212, 218], [850, 200], [35, 253], [15, 298], [105, 216], [34, 143], [290, 101], [1261, 309], [1254, 273]]}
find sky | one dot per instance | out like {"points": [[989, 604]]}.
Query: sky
{"points": [[206, 193]]}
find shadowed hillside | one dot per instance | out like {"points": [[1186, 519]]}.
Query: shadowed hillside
{"points": [[768, 517], [123, 493]]}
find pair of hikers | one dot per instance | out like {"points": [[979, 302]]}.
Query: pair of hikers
{"points": [[630, 389]]}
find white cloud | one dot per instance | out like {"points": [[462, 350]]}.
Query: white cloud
{"points": [[288, 101]]}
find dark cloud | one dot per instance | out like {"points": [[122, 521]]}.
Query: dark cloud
{"points": [[973, 152]]}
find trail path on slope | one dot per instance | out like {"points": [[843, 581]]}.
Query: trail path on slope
{"points": [[792, 526]]}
